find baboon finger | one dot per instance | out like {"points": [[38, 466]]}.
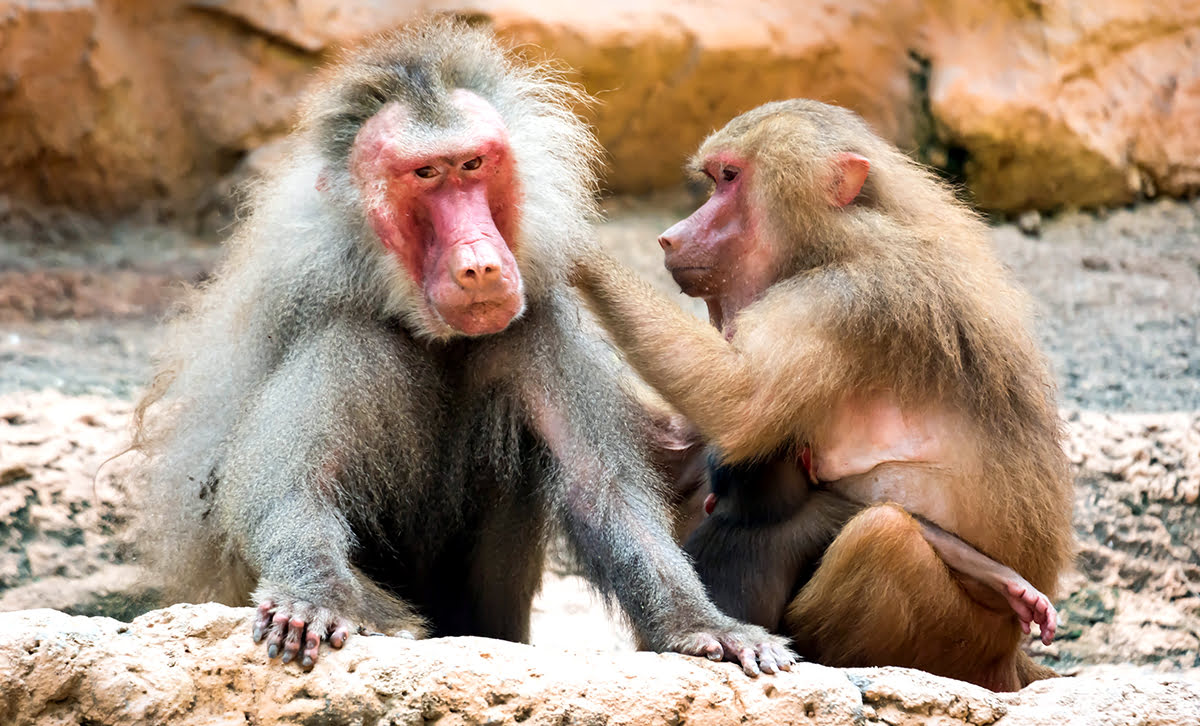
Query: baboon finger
{"points": [[312, 647], [262, 620], [766, 661], [749, 662], [291, 644], [341, 631], [279, 627]]}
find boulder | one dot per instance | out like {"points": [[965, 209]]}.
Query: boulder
{"points": [[1067, 102], [105, 105], [1035, 105], [196, 664]]}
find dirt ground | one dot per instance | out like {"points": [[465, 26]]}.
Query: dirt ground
{"points": [[1119, 301]]}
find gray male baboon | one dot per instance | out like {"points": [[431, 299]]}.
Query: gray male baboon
{"points": [[373, 414]]}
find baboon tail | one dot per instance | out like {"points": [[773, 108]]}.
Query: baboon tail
{"points": [[1028, 671]]}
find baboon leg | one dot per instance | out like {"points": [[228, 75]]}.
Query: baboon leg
{"points": [[882, 596], [506, 574]]}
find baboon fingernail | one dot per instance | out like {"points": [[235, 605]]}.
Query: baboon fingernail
{"points": [[272, 651], [287, 657], [307, 662]]}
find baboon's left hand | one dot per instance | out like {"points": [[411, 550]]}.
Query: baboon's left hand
{"points": [[753, 647]]}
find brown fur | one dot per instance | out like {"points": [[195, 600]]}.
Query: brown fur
{"points": [[901, 292]]}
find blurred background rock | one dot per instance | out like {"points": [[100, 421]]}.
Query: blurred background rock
{"points": [[106, 105]]}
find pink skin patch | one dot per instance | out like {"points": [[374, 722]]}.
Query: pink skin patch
{"points": [[446, 204], [864, 431], [719, 253]]}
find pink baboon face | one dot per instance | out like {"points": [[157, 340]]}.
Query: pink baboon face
{"points": [[447, 209], [705, 251]]}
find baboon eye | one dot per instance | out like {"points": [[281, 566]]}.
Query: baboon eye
{"points": [[729, 173], [473, 164], [426, 172]]}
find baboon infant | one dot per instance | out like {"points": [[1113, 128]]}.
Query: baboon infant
{"points": [[872, 382], [376, 413]]}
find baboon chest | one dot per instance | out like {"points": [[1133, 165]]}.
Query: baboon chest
{"points": [[487, 471]]}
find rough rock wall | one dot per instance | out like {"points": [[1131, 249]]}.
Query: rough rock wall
{"points": [[195, 664], [105, 104]]}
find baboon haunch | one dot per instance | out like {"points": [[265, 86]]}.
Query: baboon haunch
{"points": [[374, 414], [870, 341]]}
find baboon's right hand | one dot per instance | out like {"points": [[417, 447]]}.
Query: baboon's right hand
{"points": [[296, 628]]}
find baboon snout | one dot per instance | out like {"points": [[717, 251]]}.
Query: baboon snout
{"points": [[675, 237], [476, 267]]}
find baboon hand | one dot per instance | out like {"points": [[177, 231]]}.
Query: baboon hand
{"points": [[585, 256], [1032, 606], [753, 647], [295, 628]]}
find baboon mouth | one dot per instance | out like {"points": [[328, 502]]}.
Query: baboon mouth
{"points": [[483, 317], [692, 279]]}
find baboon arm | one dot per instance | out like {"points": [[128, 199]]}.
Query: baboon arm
{"points": [[612, 506], [280, 494], [613, 511], [300, 546], [749, 394]]}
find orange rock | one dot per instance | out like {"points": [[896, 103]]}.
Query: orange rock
{"points": [[1059, 102], [1038, 104]]}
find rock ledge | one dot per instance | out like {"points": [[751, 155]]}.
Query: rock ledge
{"points": [[195, 664]]}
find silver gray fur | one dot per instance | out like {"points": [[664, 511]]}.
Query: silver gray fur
{"points": [[315, 438]]}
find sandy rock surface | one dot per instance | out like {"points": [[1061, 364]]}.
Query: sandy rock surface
{"points": [[63, 528], [1035, 105], [1135, 594], [195, 664]]}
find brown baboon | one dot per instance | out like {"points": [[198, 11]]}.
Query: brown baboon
{"points": [[871, 343], [374, 413]]}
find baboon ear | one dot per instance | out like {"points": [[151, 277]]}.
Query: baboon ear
{"points": [[849, 175]]}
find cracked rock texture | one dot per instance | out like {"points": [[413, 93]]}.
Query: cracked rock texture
{"points": [[195, 664], [1034, 105]]}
